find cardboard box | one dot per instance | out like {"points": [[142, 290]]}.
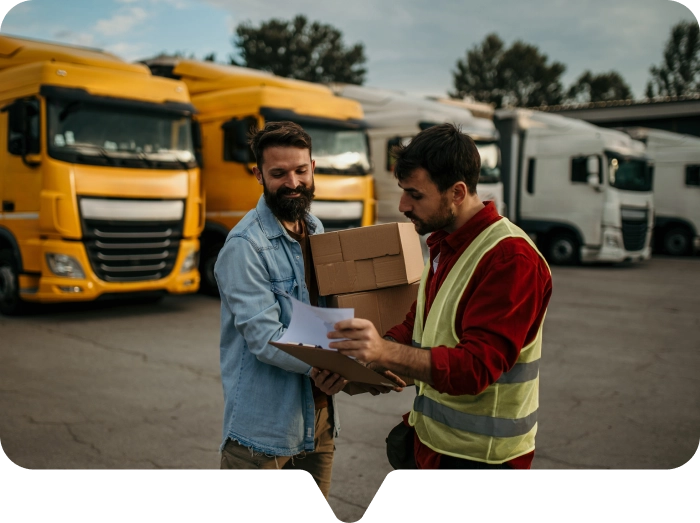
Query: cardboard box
{"points": [[383, 307], [366, 258]]}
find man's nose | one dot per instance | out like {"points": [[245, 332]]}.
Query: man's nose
{"points": [[291, 181], [403, 204]]}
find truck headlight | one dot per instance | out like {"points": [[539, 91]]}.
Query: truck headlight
{"points": [[611, 240], [64, 265], [191, 261]]}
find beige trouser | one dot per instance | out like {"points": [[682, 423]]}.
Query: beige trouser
{"points": [[318, 463]]}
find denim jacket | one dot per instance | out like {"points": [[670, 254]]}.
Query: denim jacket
{"points": [[268, 403]]}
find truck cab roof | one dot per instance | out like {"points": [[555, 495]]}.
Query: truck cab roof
{"points": [[384, 108], [16, 51], [203, 77]]}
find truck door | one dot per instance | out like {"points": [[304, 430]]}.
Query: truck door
{"points": [[561, 190], [19, 167]]}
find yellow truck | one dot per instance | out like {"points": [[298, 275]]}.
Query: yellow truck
{"points": [[100, 188], [229, 101]]}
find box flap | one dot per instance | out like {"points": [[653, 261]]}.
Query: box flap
{"points": [[370, 242], [389, 271], [335, 278], [325, 248], [412, 252]]}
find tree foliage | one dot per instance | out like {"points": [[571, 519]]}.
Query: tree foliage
{"points": [[517, 76], [601, 87], [298, 49], [679, 73]]}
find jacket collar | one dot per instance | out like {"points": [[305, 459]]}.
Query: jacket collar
{"points": [[271, 226]]}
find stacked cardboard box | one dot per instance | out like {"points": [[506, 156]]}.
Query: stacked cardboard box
{"points": [[374, 270]]}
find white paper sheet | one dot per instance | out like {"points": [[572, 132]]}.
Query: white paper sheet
{"points": [[310, 325]]}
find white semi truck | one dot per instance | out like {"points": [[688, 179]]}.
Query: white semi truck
{"points": [[676, 189], [582, 192], [393, 117]]}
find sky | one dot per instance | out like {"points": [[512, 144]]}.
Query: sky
{"points": [[410, 45]]}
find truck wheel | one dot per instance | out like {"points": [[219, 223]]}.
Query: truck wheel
{"points": [[10, 302], [206, 270], [563, 249], [677, 241]]}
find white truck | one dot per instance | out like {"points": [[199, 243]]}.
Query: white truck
{"points": [[582, 192], [676, 189], [393, 117]]}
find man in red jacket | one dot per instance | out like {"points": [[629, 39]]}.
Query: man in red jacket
{"points": [[472, 341]]}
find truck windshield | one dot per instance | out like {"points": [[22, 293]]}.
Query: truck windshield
{"points": [[629, 174], [490, 162], [102, 134], [339, 151]]}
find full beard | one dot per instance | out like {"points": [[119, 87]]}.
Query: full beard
{"points": [[290, 209], [443, 219]]}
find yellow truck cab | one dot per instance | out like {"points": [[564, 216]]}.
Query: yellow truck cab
{"points": [[100, 188], [229, 101]]}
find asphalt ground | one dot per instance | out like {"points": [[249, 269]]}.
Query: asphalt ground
{"points": [[133, 386]]}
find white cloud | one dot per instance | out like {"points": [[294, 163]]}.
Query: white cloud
{"points": [[121, 22], [126, 50], [69, 37]]}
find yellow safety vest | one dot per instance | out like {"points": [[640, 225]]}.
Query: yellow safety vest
{"points": [[500, 423]]}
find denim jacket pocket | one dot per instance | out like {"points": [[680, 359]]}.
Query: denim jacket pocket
{"points": [[284, 290]]}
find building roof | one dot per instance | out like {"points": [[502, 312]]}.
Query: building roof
{"points": [[659, 107]]}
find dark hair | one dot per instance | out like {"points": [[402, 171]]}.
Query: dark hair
{"points": [[277, 134], [448, 155]]}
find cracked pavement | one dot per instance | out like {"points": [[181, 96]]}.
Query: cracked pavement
{"points": [[128, 385]]}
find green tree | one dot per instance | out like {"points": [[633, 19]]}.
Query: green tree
{"points": [[314, 52], [601, 87], [517, 76], [679, 73], [478, 74]]}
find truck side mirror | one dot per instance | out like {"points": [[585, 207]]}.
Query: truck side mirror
{"points": [[23, 130], [593, 170], [236, 148], [197, 142]]}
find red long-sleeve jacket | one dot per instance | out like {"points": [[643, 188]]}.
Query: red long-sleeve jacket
{"points": [[498, 314]]}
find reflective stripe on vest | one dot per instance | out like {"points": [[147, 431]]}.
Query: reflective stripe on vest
{"points": [[500, 423]]}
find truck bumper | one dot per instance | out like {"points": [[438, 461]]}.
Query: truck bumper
{"points": [[612, 250], [49, 288]]}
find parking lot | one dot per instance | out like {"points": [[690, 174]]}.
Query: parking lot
{"points": [[128, 385]]}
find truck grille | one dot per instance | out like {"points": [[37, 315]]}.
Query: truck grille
{"points": [[131, 251], [634, 229]]}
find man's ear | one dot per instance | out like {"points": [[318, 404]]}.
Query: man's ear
{"points": [[258, 174], [460, 192]]}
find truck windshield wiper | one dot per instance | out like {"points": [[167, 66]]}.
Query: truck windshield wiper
{"points": [[103, 152], [175, 158]]}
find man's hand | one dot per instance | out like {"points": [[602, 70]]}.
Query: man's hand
{"points": [[363, 341], [400, 383], [328, 382]]}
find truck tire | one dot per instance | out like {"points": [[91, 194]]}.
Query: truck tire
{"points": [[10, 302], [677, 241], [563, 249], [207, 260]]}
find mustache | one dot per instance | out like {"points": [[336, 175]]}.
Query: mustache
{"points": [[410, 216], [300, 189]]}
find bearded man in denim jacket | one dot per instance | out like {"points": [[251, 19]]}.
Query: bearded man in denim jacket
{"points": [[278, 412]]}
